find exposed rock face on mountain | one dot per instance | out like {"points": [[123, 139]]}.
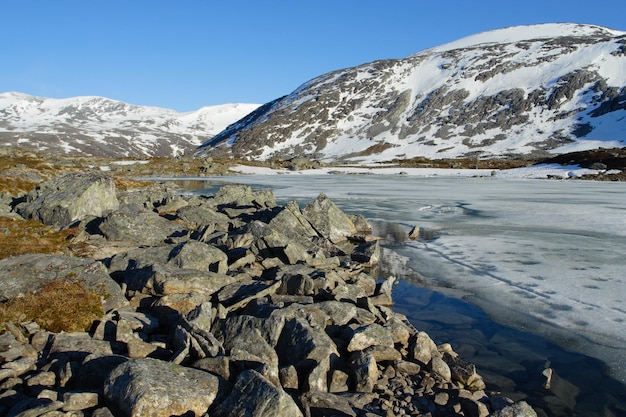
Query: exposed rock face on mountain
{"points": [[517, 91], [98, 126]]}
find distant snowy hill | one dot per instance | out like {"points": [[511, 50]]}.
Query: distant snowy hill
{"points": [[103, 127], [519, 91]]}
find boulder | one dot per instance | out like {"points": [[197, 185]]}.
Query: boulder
{"points": [[132, 223], [63, 200], [238, 195], [519, 409], [370, 335], [244, 399], [203, 216], [200, 256], [328, 220], [150, 387], [32, 272]]}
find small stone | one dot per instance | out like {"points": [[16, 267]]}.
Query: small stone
{"points": [[49, 394], [44, 379], [438, 366], [441, 398], [338, 381], [77, 401], [21, 366]]}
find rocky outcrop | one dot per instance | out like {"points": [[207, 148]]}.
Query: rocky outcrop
{"points": [[63, 200], [257, 316]]}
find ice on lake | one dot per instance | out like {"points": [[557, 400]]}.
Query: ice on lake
{"points": [[545, 256]]}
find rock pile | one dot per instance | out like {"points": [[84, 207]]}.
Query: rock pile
{"points": [[230, 305]]}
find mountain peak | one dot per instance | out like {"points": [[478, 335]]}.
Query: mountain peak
{"points": [[544, 31], [519, 91], [99, 126]]}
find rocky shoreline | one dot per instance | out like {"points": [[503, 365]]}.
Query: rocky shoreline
{"points": [[227, 305]]}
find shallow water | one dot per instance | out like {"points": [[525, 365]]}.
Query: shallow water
{"points": [[542, 257]]}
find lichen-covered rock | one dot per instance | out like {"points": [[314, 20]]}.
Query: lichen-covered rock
{"points": [[519, 409], [200, 256], [244, 399], [132, 223], [75, 196], [150, 387], [32, 272], [329, 220]]}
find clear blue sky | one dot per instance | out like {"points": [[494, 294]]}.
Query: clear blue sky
{"points": [[185, 54]]}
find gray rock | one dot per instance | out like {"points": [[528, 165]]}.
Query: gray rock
{"points": [[326, 404], [95, 368], [301, 280], [200, 256], [168, 280], [438, 366], [365, 371], [203, 216], [369, 335], [218, 365], [423, 348], [78, 346], [21, 366], [288, 377], [292, 222], [328, 220], [77, 401], [24, 273], [132, 223], [144, 387], [102, 412], [519, 409], [150, 196], [242, 195], [301, 345], [229, 328], [42, 379], [461, 371], [244, 399], [251, 351], [34, 407], [367, 253], [75, 196], [338, 381]]}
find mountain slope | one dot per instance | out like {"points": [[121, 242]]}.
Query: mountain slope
{"points": [[520, 91], [103, 127]]}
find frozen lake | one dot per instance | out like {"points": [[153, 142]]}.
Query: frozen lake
{"points": [[547, 257]]}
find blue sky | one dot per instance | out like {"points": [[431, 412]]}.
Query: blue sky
{"points": [[187, 54]]}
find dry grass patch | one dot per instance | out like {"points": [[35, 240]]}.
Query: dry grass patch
{"points": [[15, 186], [61, 305], [19, 237]]}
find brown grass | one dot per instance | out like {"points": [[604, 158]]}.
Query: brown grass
{"points": [[19, 237], [62, 305], [15, 186]]}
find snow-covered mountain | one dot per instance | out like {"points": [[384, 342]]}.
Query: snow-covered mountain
{"points": [[528, 90], [103, 127]]}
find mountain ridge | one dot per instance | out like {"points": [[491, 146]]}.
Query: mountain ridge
{"points": [[549, 89], [99, 126]]}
